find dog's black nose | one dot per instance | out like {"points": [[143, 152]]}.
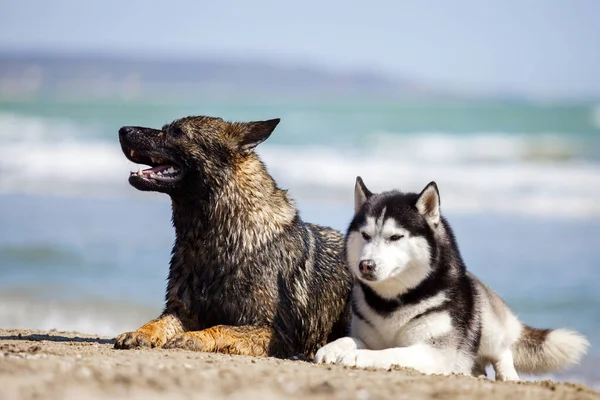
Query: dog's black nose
{"points": [[366, 266], [125, 130]]}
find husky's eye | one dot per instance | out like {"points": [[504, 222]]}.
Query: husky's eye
{"points": [[365, 236], [393, 238]]}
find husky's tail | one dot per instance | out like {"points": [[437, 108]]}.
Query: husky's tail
{"points": [[540, 351]]}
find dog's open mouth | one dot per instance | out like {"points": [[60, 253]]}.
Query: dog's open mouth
{"points": [[161, 169]]}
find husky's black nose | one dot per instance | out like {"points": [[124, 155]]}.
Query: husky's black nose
{"points": [[366, 266]]}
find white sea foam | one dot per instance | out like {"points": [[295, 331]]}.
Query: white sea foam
{"points": [[104, 319], [483, 147], [481, 172], [45, 155], [561, 190]]}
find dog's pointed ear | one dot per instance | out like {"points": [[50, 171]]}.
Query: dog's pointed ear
{"points": [[428, 204], [361, 194], [254, 133]]}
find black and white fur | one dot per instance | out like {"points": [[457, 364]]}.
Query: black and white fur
{"points": [[415, 305]]}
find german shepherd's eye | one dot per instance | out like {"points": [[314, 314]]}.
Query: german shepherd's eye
{"points": [[176, 131], [394, 238], [365, 236]]}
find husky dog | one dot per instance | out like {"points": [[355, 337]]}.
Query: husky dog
{"points": [[247, 275], [415, 305]]}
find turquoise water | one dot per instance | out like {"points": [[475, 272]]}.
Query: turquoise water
{"points": [[80, 249], [345, 122]]}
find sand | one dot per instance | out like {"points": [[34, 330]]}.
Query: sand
{"points": [[66, 365]]}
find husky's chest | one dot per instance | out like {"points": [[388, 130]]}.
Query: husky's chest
{"points": [[404, 326]]}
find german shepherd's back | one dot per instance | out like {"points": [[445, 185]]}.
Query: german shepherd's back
{"points": [[247, 275]]}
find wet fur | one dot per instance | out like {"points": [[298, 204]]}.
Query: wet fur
{"points": [[247, 275]]}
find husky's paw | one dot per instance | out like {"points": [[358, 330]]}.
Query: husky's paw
{"points": [[329, 353], [364, 359], [133, 340], [188, 341]]}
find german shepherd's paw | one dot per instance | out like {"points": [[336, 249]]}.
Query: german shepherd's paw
{"points": [[136, 339], [193, 341]]}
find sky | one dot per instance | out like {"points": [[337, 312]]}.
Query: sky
{"points": [[543, 48]]}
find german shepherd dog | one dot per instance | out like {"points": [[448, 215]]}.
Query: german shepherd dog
{"points": [[247, 276]]}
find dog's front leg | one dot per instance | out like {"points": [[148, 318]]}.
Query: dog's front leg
{"points": [[241, 340], [152, 334], [422, 357]]}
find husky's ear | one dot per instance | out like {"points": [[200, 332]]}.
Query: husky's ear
{"points": [[254, 133], [428, 204], [361, 194]]}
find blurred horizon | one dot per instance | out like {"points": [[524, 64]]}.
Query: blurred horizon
{"points": [[26, 74], [532, 49]]}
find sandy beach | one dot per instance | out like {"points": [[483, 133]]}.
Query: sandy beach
{"points": [[67, 365]]}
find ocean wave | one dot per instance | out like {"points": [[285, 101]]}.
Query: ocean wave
{"points": [[29, 128], [36, 254], [565, 190], [482, 147], [539, 175], [59, 167], [87, 316], [48, 155]]}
